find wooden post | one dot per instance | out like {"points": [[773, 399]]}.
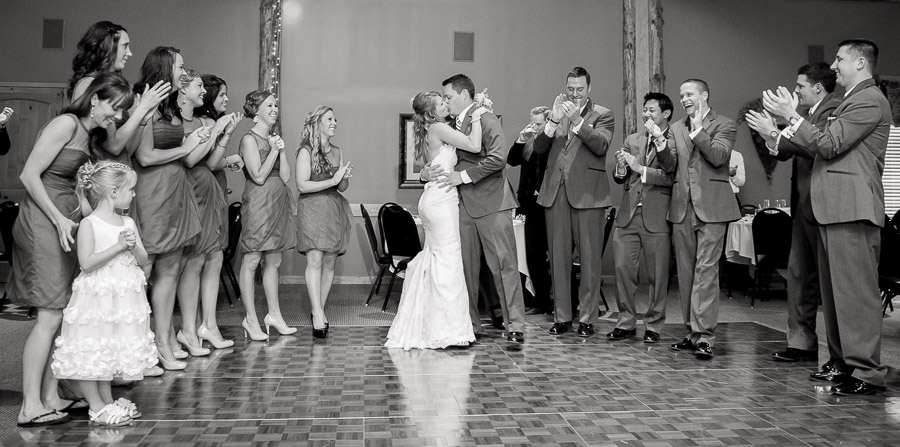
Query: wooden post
{"points": [[642, 57], [628, 56], [270, 51]]}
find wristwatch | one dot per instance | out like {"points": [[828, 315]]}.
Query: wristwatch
{"points": [[773, 134], [793, 120]]}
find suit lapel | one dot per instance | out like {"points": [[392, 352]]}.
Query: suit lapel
{"points": [[467, 121], [588, 108]]}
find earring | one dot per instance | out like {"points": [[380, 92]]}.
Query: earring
{"points": [[92, 110], [183, 100], [255, 119]]}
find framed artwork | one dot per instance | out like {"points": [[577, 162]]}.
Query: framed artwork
{"points": [[890, 86], [409, 169]]}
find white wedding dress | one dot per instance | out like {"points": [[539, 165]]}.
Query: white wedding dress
{"points": [[434, 305]]}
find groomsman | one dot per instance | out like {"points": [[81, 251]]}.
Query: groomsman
{"points": [[702, 205], [814, 89], [641, 225], [848, 202], [575, 193], [530, 177]]}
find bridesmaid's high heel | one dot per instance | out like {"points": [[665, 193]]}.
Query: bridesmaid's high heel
{"points": [[280, 325], [218, 342], [319, 333], [254, 333], [196, 352]]}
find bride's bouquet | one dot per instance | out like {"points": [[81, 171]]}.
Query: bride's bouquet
{"points": [[482, 100]]}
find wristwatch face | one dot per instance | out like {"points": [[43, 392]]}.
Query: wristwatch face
{"points": [[773, 133], [793, 120]]}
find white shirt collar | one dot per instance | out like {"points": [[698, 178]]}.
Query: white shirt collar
{"points": [[816, 106], [462, 114]]}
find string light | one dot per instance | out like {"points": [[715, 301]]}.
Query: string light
{"points": [[274, 60]]}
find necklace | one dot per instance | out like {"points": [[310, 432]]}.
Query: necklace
{"points": [[186, 120]]}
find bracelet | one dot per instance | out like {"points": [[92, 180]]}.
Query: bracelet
{"points": [[223, 147], [554, 122]]}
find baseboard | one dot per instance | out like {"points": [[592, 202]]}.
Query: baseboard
{"points": [[337, 279]]}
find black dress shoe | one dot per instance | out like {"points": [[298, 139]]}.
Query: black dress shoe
{"points": [[534, 311], [560, 328], [497, 322], [684, 345], [704, 351], [621, 334], [516, 337], [829, 373], [651, 336], [795, 355], [856, 387], [585, 330]]}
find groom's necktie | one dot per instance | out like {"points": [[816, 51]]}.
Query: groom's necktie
{"points": [[459, 120]]}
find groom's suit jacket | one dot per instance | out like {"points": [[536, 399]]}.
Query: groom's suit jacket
{"points": [[490, 190]]}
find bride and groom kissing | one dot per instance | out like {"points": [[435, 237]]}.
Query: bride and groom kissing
{"points": [[466, 210]]}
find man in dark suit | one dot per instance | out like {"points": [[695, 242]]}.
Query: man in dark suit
{"points": [[848, 202], [575, 193], [5, 114], [530, 176], [702, 205], [486, 202], [641, 224], [814, 89]]}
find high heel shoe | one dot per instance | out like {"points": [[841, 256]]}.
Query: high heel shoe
{"points": [[254, 333], [280, 325], [171, 366], [199, 351], [218, 342], [319, 333], [177, 352]]}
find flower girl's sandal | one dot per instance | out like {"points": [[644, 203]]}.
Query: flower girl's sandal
{"points": [[111, 415], [130, 408]]}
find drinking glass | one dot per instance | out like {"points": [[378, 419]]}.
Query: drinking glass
{"points": [[781, 203], [765, 204]]}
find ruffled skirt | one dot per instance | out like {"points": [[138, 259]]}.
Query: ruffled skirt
{"points": [[106, 326]]}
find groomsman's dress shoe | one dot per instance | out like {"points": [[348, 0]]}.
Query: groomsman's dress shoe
{"points": [[535, 311], [651, 336], [704, 351], [683, 345], [856, 387], [497, 322], [585, 330], [621, 334], [795, 355], [516, 337], [829, 373], [560, 328]]}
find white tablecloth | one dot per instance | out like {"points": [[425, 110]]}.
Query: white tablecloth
{"points": [[519, 230]]}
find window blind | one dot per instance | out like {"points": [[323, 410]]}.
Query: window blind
{"points": [[891, 177]]}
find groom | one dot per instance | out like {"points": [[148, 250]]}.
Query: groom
{"points": [[485, 203]]}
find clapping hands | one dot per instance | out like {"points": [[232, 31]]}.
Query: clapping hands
{"points": [[625, 158], [276, 143], [5, 115], [782, 102], [653, 128]]}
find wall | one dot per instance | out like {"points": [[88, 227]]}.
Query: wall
{"points": [[367, 59], [742, 48]]}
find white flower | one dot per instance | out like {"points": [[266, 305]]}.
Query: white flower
{"points": [[482, 100]]}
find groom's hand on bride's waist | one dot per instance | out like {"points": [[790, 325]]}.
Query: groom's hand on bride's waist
{"points": [[451, 181], [429, 173]]}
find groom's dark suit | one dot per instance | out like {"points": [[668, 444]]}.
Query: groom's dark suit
{"points": [[485, 221]]}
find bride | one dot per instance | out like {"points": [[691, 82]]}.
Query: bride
{"points": [[434, 305]]}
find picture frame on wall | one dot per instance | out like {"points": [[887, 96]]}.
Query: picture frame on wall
{"points": [[890, 86], [409, 169]]}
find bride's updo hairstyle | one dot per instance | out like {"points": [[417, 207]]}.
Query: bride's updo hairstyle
{"points": [[423, 104]]}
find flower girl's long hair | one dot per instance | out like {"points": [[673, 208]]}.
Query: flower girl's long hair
{"points": [[423, 104]]}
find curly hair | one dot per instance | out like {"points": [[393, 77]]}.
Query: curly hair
{"points": [[213, 85], [97, 51], [255, 99], [312, 140], [423, 104], [96, 180]]}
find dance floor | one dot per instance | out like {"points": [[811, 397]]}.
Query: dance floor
{"points": [[348, 390]]}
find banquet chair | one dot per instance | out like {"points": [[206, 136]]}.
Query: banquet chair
{"points": [[889, 265], [401, 240], [576, 266], [748, 209], [227, 275], [9, 210], [383, 261], [772, 246], [896, 219]]}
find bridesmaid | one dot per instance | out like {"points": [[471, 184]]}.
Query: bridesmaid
{"points": [[215, 102], [167, 211], [203, 260], [106, 47], [323, 214], [44, 262], [265, 214]]}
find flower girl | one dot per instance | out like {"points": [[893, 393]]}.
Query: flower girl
{"points": [[106, 325]]}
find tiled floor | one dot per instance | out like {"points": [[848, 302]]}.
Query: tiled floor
{"points": [[568, 391]]}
